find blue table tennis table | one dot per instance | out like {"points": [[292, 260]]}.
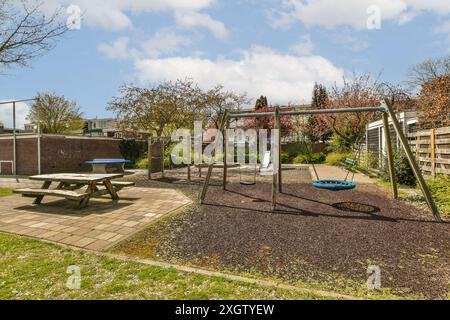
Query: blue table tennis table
{"points": [[99, 165]]}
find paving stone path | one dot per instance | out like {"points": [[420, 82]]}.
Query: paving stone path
{"points": [[99, 226]]}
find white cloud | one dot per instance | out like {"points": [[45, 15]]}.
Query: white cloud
{"points": [[281, 18], [407, 17], [331, 13], [165, 41], [6, 114], [284, 78], [304, 47], [444, 29], [350, 41], [193, 19], [118, 50], [113, 14]]}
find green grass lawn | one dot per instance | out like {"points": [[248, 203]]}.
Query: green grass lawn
{"points": [[440, 190], [5, 192], [31, 269]]}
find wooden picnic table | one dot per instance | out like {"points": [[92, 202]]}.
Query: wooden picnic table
{"points": [[68, 183]]}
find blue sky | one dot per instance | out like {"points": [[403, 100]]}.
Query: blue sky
{"points": [[278, 48]]}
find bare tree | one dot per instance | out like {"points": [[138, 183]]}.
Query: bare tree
{"points": [[171, 105], [217, 100], [428, 70], [159, 110], [26, 32]]}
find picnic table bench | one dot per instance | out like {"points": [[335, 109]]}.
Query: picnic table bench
{"points": [[99, 165], [97, 185]]}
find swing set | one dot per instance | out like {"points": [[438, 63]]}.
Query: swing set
{"points": [[333, 184]]}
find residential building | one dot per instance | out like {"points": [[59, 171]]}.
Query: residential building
{"points": [[375, 141]]}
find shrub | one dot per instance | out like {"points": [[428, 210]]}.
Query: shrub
{"points": [[308, 158], [338, 145], [319, 157], [142, 163], [301, 159], [440, 188], [133, 150], [286, 157], [404, 173], [369, 160], [336, 159]]}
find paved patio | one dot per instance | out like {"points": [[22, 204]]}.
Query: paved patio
{"points": [[97, 227]]}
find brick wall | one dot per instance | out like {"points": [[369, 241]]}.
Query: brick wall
{"points": [[58, 153], [6, 154], [67, 154]]}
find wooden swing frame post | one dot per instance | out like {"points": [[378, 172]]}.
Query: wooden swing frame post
{"points": [[276, 179], [280, 163], [390, 156], [149, 155], [225, 151], [412, 162]]}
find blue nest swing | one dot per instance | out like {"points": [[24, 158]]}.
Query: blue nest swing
{"points": [[334, 184], [338, 184]]}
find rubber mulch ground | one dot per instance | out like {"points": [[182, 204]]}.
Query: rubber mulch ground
{"points": [[314, 236]]}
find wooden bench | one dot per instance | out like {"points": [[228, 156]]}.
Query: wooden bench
{"points": [[80, 198], [350, 162], [123, 184], [119, 185], [71, 195]]}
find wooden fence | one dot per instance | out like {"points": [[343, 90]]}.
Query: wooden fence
{"points": [[432, 150]]}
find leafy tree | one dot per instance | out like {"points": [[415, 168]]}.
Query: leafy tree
{"points": [[433, 103], [316, 128], [25, 32], [360, 91], [56, 114], [268, 122], [261, 103]]}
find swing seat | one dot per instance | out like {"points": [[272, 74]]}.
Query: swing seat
{"points": [[334, 184]]}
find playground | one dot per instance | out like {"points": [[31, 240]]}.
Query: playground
{"points": [[313, 225], [318, 238]]}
